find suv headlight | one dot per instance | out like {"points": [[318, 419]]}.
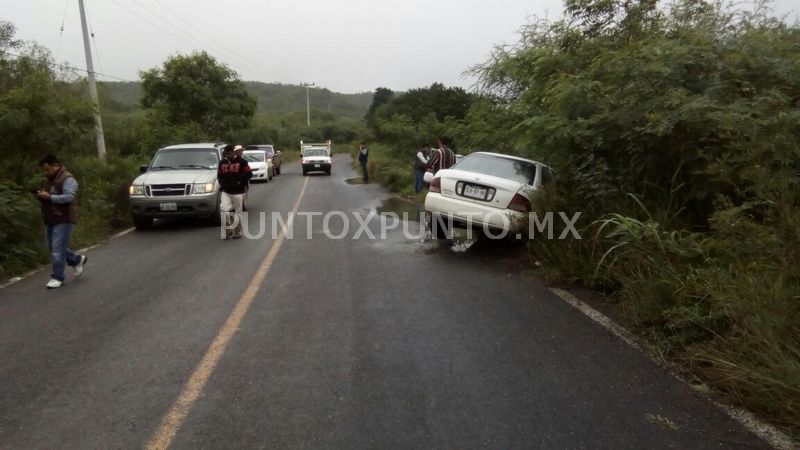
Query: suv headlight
{"points": [[136, 190], [202, 188]]}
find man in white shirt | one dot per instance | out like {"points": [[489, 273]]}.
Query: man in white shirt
{"points": [[420, 165]]}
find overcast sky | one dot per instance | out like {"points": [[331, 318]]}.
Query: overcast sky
{"points": [[343, 45]]}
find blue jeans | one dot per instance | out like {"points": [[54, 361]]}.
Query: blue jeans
{"points": [[419, 182], [58, 244]]}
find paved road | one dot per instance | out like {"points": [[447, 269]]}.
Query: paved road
{"points": [[388, 343]]}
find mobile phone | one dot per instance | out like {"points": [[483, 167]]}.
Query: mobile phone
{"points": [[33, 191]]}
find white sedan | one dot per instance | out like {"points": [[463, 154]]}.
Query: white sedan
{"points": [[488, 190], [260, 164]]}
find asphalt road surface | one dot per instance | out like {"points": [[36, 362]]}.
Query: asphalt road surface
{"points": [[175, 338]]}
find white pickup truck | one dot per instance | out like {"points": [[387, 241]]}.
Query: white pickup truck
{"points": [[316, 157]]}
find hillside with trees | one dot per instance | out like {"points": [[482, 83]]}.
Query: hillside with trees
{"points": [[270, 97]]}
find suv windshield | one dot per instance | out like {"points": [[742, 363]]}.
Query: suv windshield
{"points": [[512, 169], [315, 152], [254, 156], [185, 158]]}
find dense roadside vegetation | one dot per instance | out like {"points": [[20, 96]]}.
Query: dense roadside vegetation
{"points": [[675, 130], [44, 109]]}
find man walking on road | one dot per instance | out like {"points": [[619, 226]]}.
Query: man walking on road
{"points": [[233, 175], [363, 159], [57, 198]]}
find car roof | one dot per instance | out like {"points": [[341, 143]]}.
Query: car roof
{"points": [[509, 157], [208, 145], [258, 146]]}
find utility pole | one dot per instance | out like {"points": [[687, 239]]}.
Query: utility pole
{"points": [[98, 121], [308, 105]]}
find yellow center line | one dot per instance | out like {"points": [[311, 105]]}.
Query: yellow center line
{"points": [[173, 420]]}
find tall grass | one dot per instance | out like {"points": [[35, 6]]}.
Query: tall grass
{"points": [[723, 305]]}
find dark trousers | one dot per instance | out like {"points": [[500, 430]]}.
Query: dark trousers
{"points": [[365, 174], [419, 181]]}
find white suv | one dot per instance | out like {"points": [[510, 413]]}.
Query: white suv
{"points": [[180, 181]]}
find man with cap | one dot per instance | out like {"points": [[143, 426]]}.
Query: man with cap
{"points": [[234, 176]]}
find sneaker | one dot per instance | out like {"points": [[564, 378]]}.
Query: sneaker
{"points": [[53, 283], [78, 269]]}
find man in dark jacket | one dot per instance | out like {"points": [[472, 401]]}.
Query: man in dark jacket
{"points": [[233, 175], [57, 197], [363, 159]]}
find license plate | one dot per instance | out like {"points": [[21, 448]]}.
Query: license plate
{"points": [[474, 192], [169, 206], [316, 165]]}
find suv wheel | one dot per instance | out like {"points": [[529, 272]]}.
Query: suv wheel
{"points": [[142, 222]]}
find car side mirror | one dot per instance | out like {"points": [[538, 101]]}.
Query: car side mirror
{"points": [[143, 168]]}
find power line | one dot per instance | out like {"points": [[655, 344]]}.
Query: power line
{"points": [[191, 44], [94, 42], [151, 23], [63, 66], [61, 33], [220, 44], [191, 36]]}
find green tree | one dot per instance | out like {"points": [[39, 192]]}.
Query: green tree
{"points": [[196, 93], [381, 97], [442, 101], [41, 110]]}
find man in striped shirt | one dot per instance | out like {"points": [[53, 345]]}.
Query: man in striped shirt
{"points": [[442, 157]]}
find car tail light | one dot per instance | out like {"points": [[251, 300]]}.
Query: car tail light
{"points": [[520, 203], [436, 185]]}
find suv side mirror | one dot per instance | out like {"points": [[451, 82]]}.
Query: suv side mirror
{"points": [[143, 168]]}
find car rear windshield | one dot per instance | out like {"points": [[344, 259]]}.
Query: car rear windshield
{"points": [[254, 156], [512, 169], [185, 158], [270, 150]]}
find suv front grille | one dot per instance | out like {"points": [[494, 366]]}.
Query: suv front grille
{"points": [[161, 190]]}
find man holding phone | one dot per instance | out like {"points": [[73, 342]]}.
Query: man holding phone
{"points": [[57, 197]]}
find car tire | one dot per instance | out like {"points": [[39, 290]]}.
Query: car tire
{"points": [[437, 231], [143, 222], [215, 219]]}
